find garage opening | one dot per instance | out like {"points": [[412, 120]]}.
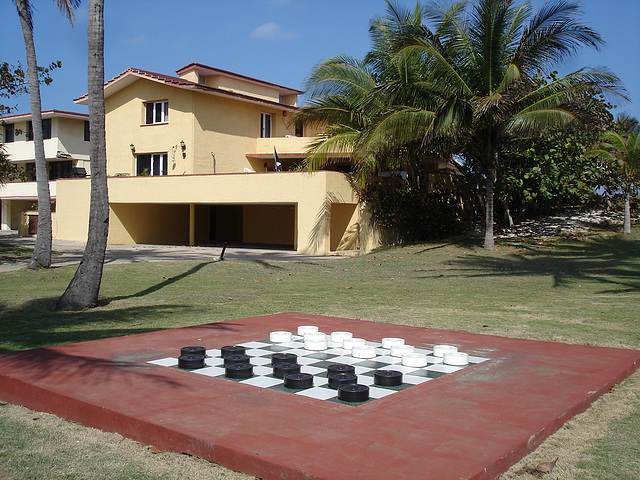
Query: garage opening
{"points": [[255, 225], [268, 226]]}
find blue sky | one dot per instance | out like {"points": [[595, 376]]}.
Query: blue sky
{"points": [[274, 40]]}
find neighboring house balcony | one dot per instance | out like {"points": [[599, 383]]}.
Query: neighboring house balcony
{"points": [[19, 197], [66, 151], [55, 149]]}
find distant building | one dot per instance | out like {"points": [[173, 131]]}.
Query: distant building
{"points": [[66, 147]]}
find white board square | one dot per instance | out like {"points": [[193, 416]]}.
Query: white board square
{"points": [[311, 369], [443, 368], [410, 379], [318, 393], [264, 382], [377, 392], [262, 370], [165, 362], [210, 371]]}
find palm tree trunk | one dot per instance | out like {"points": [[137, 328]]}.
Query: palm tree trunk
{"points": [[41, 256], [626, 228], [83, 289], [488, 214]]}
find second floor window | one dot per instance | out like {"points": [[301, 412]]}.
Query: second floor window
{"points": [[46, 129], [87, 131], [156, 112], [9, 133], [55, 170], [265, 125], [151, 164]]}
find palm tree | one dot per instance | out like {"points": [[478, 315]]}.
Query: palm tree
{"points": [[621, 149], [338, 87], [481, 81], [84, 287], [345, 98], [42, 251]]}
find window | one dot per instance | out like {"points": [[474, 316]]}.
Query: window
{"points": [[30, 168], [265, 125], [87, 134], [156, 112], [56, 170], [9, 133], [299, 130], [151, 164], [46, 129], [60, 169]]}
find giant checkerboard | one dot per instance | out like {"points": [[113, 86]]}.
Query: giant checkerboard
{"points": [[316, 364]]}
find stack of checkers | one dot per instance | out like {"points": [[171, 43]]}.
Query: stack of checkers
{"points": [[335, 367]]}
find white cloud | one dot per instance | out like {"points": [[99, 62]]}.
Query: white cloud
{"points": [[272, 31], [140, 39]]}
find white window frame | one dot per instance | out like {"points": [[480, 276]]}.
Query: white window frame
{"points": [[265, 125], [162, 164], [159, 112]]}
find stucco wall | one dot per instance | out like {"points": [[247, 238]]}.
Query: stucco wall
{"points": [[313, 194], [125, 126], [224, 126], [70, 133]]}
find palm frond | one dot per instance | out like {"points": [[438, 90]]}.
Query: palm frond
{"points": [[335, 140], [553, 34], [535, 122], [68, 7]]}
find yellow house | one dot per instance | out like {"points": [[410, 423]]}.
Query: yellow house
{"points": [[66, 151], [210, 156]]}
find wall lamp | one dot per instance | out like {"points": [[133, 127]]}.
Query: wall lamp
{"points": [[133, 148]]}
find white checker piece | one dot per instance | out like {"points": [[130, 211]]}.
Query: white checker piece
{"points": [[316, 362]]}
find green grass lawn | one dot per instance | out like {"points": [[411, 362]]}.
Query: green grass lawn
{"points": [[568, 290]]}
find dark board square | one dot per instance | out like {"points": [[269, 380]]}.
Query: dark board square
{"points": [[371, 364], [321, 356], [275, 348]]}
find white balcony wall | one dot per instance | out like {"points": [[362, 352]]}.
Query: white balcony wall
{"points": [[22, 190], [282, 144], [22, 152]]}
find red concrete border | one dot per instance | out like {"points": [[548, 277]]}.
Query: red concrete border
{"points": [[472, 424]]}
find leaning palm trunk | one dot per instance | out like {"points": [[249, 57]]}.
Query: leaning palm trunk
{"points": [[83, 290], [42, 251]]}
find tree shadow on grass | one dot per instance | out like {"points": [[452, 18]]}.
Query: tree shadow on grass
{"points": [[158, 286], [612, 261], [36, 323]]}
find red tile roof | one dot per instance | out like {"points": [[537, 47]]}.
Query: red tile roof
{"points": [[185, 84], [47, 113]]}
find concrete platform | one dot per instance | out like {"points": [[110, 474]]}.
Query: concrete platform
{"points": [[471, 424]]}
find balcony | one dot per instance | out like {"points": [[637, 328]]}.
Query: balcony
{"points": [[282, 145], [24, 191]]}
